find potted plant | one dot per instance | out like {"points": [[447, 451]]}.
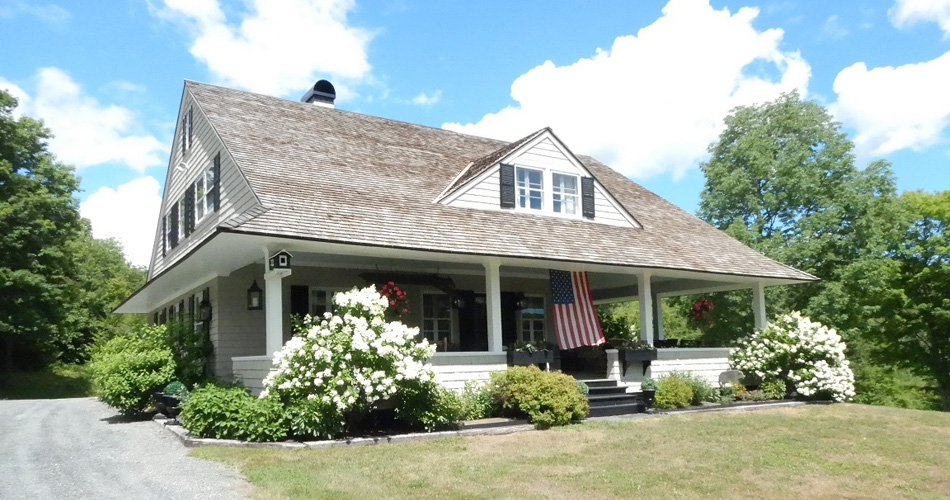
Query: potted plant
{"points": [[530, 353], [171, 398], [648, 388]]}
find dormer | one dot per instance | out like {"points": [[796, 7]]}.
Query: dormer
{"points": [[536, 175]]}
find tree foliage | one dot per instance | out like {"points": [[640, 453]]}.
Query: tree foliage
{"points": [[59, 283]]}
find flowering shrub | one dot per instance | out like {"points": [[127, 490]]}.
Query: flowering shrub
{"points": [[338, 367], [805, 355]]}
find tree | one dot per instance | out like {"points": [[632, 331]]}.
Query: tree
{"points": [[913, 292], [38, 216]]}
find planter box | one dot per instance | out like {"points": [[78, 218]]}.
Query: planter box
{"points": [[644, 356], [530, 358], [628, 355]]}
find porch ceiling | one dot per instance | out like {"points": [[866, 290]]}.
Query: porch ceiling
{"points": [[226, 252]]}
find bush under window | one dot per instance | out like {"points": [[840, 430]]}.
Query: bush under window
{"points": [[127, 369]]}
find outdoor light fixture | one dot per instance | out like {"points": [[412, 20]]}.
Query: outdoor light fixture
{"points": [[520, 303], [204, 310], [459, 303], [255, 297]]}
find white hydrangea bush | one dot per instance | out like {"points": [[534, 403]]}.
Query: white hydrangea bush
{"points": [[345, 363], [806, 355]]}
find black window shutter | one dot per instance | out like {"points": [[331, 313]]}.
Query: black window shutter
{"points": [[587, 196], [191, 126], [216, 189], [299, 300], [164, 235], [506, 174], [173, 230], [189, 206], [184, 135]]}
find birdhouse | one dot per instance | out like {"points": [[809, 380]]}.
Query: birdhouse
{"points": [[280, 260]]}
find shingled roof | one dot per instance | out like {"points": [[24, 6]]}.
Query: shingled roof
{"points": [[334, 175]]}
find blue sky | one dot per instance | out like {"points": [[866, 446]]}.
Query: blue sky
{"points": [[640, 85]]}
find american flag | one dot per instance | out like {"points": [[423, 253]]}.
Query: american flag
{"points": [[575, 320]]}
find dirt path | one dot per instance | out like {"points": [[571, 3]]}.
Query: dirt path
{"points": [[78, 448]]}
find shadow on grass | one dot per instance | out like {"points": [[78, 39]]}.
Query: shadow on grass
{"points": [[57, 382]]}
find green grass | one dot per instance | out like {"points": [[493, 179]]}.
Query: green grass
{"points": [[814, 452], [58, 381]]}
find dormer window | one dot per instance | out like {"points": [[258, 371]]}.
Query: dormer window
{"points": [[186, 131], [564, 193], [530, 187]]}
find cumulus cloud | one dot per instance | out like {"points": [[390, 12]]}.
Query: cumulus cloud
{"points": [[905, 13], [276, 47], [424, 99], [894, 108], [87, 132], [654, 101], [127, 213]]}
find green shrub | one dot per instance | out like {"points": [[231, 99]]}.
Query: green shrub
{"points": [[127, 369], [232, 413], [753, 395], [191, 346], [702, 389], [428, 405], [647, 384], [545, 398], [475, 401], [673, 392], [773, 389], [175, 388]]}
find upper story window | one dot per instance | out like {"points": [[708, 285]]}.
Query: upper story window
{"points": [[186, 131], [530, 186], [562, 197], [564, 193], [204, 194]]}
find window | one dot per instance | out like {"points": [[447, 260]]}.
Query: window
{"points": [[531, 320], [186, 131], [182, 212], [437, 319], [321, 301], [204, 194], [530, 188], [564, 193]]}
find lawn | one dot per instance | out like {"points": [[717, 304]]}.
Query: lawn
{"points": [[57, 381], [814, 452]]}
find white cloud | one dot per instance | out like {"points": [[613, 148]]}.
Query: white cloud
{"points": [[127, 213], [832, 27], [87, 132], [15, 91], [894, 108], [51, 14], [277, 47], [424, 99], [653, 102], [905, 13]]}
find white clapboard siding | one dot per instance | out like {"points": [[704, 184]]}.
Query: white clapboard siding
{"points": [[184, 170], [483, 192]]}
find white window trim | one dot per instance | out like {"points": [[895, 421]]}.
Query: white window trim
{"points": [[203, 199], [330, 291], [452, 333], [547, 193], [544, 319]]}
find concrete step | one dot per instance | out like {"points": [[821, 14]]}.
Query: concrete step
{"points": [[599, 382], [618, 389], [608, 399]]}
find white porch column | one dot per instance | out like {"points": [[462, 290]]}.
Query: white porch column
{"points": [[493, 305], [273, 306], [645, 293], [658, 307], [758, 305]]}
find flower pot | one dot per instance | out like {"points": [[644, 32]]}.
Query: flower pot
{"points": [[516, 358], [649, 397], [628, 355], [172, 405], [158, 399]]}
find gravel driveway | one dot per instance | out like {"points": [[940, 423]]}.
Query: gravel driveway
{"points": [[78, 448]]}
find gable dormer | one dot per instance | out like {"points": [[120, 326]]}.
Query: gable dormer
{"points": [[537, 175]]}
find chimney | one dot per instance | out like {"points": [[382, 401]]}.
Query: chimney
{"points": [[322, 94]]}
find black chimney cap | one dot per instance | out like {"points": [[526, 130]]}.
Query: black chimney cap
{"points": [[322, 91]]}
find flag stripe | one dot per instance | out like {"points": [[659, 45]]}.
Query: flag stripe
{"points": [[575, 319]]}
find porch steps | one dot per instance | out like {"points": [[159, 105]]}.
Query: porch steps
{"points": [[607, 398]]}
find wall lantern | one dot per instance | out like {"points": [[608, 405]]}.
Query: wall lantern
{"points": [[204, 310], [459, 303], [520, 301], [255, 297], [280, 260]]}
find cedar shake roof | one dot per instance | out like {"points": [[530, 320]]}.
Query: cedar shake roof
{"points": [[485, 162], [339, 176]]}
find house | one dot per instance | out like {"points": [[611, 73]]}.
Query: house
{"points": [[271, 206]]}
